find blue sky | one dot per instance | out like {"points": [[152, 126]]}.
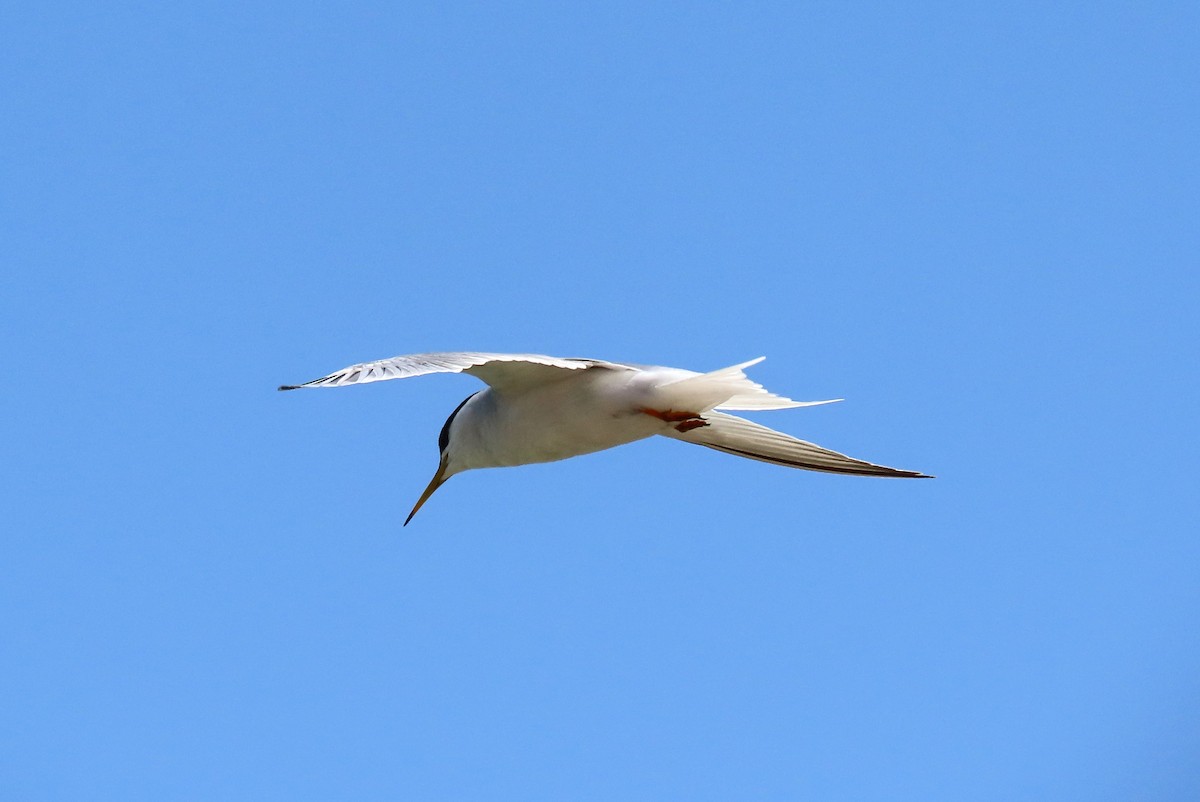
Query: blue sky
{"points": [[976, 223]]}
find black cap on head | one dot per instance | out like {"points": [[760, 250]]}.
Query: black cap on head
{"points": [[444, 434]]}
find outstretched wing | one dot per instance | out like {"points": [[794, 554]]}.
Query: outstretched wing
{"points": [[741, 437], [501, 371]]}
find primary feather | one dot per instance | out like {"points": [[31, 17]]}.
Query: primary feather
{"points": [[498, 370], [744, 438]]}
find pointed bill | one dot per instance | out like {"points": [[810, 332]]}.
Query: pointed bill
{"points": [[439, 479]]}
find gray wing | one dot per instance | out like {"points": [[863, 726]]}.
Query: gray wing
{"points": [[741, 437], [501, 371]]}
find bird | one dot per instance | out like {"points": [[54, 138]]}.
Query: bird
{"points": [[539, 408]]}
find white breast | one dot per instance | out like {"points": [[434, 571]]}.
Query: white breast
{"points": [[590, 411]]}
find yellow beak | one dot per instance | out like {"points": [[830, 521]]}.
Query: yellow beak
{"points": [[439, 479]]}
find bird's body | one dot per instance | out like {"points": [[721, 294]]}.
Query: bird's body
{"points": [[582, 412], [540, 409]]}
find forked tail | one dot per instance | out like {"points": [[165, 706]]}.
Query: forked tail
{"points": [[728, 388]]}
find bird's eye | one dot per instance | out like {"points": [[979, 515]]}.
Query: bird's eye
{"points": [[444, 435]]}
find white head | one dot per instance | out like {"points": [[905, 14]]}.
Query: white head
{"points": [[445, 469]]}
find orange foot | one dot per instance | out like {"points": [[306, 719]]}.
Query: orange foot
{"points": [[686, 420]]}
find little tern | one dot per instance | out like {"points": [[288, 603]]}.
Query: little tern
{"points": [[545, 408]]}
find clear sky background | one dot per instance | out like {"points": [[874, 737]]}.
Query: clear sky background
{"points": [[979, 224]]}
